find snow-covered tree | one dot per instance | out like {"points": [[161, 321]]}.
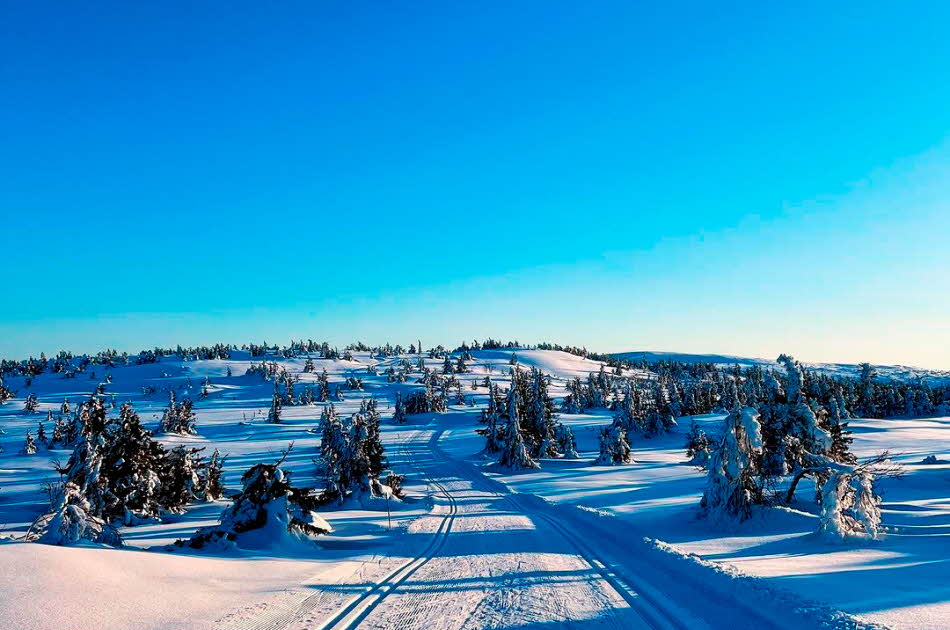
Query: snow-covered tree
{"points": [[732, 484], [514, 453], [41, 436], [566, 443], [273, 414], [332, 465], [626, 412], [323, 387], [5, 393], [374, 443], [181, 482], [356, 457], [31, 403], [538, 414], [71, 520], [849, 506], [134, 464], [492, 420], [614, 447], [29, 448], [697, 446], [269, 512], [399, 413], [210, 475], [178, 417]]}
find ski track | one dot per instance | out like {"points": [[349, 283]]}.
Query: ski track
{"points": [[327, 607], [494, 560], [484, 567]]}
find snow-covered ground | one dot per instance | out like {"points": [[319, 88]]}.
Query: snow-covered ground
{"points": [[473, 546]]}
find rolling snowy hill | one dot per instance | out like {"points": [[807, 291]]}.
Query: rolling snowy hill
{"points": [[569, 545]]}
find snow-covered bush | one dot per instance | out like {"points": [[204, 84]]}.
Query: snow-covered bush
{"points": [[849, 507], [71, 521], [269, 512]]}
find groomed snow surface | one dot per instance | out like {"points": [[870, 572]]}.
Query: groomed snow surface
{"points": [[571, 545]]}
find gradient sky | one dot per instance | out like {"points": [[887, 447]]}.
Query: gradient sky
{"points": [[699, 177]]}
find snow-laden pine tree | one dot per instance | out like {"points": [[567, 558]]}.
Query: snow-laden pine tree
{"points": [[614, 446], [539, 416], [492, 420], [399, 413], [269, 512], [273, 414], [210, 487], [332, 464], [566, 443], [575, 401], [31, 404], [374, 443], [29, 448], [849, 506], [514, 453], [356, 458], [5, 393], [697, 446], [79, 502], [323, 387], [661, 402], [134, 463], [180, 478], [178, 417], [732, 483], [71, 520], [626, 414], [41, 436]]}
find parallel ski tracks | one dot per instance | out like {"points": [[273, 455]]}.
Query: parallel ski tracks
{"points": [[647, 607], [352, 614]]}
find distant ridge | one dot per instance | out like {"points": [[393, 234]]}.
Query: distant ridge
{"points": [[851, 370]]}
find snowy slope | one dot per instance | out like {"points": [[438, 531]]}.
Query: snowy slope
{"points": [[474, 546]]}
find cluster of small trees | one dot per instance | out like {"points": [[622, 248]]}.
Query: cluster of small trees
{"points": [[432, 399], [352, 459], [5, 393], [647, 412], [593, 394], [118, 473], [522, 426], [789, 436], [178, 417]]}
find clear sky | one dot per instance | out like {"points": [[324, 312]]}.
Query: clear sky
{"points": [[745, 178]]}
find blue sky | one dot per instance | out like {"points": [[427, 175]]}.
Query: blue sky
{"points": [[729, 178]]}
